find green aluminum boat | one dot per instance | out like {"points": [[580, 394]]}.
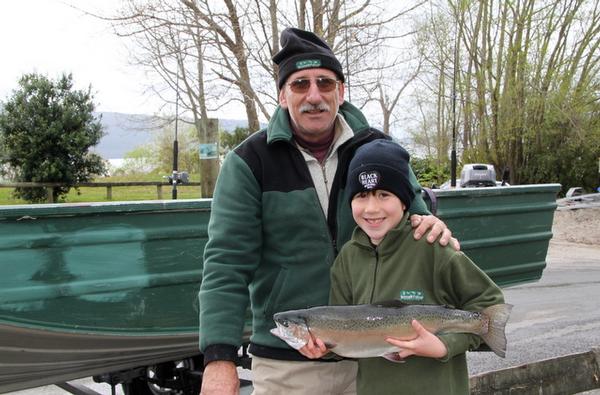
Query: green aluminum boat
{"points": [[110, 289]]}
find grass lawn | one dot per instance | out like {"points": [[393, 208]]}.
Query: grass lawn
{"points": [[7, 198], [98, 194]]}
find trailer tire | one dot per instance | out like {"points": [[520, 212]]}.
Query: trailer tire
{"points": [[136, 387], [182, 382]]}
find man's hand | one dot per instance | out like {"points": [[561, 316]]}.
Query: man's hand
{"points": [[426, 344], [220, 378], [436, 227], [314, 349]]}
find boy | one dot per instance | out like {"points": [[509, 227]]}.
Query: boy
{"points": [[383, 262]]}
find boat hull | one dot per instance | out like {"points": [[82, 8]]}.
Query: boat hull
{"points": [[34, 357]]}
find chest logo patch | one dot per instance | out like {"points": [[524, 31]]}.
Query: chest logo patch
{"points": [[412, 296]]}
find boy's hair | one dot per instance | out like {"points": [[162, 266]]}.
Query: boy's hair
{"points": [[381, 164]]}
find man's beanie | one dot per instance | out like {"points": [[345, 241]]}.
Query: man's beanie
{"points": [[304, 50], [381, 164]]}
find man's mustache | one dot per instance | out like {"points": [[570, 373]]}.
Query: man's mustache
{"points": [[306, 107]]}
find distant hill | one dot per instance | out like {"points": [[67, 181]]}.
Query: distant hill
{"points": [[124, 132]]}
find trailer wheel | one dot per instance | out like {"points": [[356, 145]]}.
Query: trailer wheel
{"points": [[168, 378]]}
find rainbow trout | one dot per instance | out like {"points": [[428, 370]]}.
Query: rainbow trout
{"points": [[359, 331]]}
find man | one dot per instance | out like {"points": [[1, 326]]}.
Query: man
{"points": [[278, 219]]}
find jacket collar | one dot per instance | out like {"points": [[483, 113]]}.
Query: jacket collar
{"points": [[279, 128], [389, 244]]}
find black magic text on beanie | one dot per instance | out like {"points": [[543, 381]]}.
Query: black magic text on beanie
{"points": [[303, 50], [381, 164]]}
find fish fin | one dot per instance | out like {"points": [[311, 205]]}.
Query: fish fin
{"points": [[393, 357], [390, 303], [495, 337], [330, 345]]}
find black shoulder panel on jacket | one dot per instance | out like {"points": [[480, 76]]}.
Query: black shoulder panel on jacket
{"points": [[278, 166]]}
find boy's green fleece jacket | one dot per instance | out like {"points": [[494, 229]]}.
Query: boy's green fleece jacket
{"points": [[415, 272]]}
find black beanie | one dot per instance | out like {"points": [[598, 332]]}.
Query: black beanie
{"points": [[381, 164], [304, 50]]}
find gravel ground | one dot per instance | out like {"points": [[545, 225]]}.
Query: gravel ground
{"points": [[577, 226]]}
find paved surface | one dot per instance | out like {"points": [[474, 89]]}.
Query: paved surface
{"points": [[556, 316], [103, 389]]}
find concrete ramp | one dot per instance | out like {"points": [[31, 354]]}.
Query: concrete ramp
{"points": [[569, 374]]}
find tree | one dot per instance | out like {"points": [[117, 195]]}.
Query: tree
{"points": [[230, 140], [157, 156], [527, 84], [171, 44], [188, 158], [139, 160], [429, 172], [46, 130], [221, 50]]}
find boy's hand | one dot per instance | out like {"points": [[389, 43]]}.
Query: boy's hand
{"points": [[436, 227], [314, 349], [426, 344]]}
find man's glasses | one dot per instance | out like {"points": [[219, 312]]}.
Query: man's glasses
{"points": [[302, 85]]}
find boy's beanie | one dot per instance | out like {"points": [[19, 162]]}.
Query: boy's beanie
{"points": [[381, 164], [304, 50]]}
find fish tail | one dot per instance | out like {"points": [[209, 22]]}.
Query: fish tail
{"points": [[495, 337]]}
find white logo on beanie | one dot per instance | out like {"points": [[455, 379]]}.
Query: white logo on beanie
{"points": [[369, 179]]}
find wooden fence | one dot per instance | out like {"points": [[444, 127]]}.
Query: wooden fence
{"points": [[108, 185]]}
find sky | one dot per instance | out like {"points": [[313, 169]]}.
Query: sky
{"points": [[51, 37]]}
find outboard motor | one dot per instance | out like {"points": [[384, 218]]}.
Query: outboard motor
{"points": [[478, 175]]}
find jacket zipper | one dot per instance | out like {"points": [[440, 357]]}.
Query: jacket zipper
{"points": [[374, 275], [329, 229], [325, 180]]}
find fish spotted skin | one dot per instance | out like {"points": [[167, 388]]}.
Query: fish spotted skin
{"points": [[359, 331]]}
